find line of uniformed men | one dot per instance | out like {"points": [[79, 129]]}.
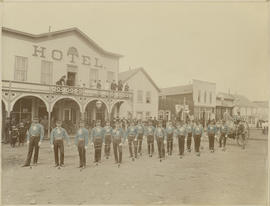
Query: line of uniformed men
{"points": [[117, 136]]}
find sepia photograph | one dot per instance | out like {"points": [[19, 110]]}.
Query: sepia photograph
{"points": [[135, 102]]}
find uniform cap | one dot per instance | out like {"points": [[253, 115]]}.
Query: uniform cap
{"points": [[35, 118], [59, 121]]}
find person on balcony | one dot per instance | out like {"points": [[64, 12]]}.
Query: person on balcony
{"points": [[61, 81], [113, 86], [126, 88], [35, 135], [120, 85], [99, 84]]}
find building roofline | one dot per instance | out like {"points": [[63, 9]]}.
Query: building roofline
{"points": [[145, 73], [54, 33]]}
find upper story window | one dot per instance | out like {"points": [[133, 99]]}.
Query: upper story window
{"points": [[110, 76], [148, 97], [199, 96], [205, 96], [210, 98], [20, 72], [46, 72], [140, 96]]}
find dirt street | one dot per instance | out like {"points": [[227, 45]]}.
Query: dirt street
{"points": [[233, 177]]}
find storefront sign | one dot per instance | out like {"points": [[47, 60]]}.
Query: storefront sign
{"points": [[72, 54]]}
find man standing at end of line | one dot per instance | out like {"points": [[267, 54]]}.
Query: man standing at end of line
{"points": [[197, 134], [81, 141], [169, 136], [118, 138], [97, 137], [35, 135], [160, 136], [58, 135], [223, 135]]}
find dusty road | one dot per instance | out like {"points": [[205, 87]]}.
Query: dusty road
{"points": [[232, 177]]}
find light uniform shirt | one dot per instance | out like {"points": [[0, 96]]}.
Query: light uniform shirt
{"points": [[118, 134], [107, 130], [97, 133], [160, 133], [82, 135], [223, 129], [35, 130], [131, 131], [180, 131], [212, 129], [140, 129], [150, 130], [197, 130], [59, 133], [189, 128], [169, 131]]}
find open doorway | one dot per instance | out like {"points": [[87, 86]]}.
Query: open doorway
{"points": [[71, 78]]}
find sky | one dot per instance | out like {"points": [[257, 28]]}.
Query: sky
{"points": [[175, 42]]}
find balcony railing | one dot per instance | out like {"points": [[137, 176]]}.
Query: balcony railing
{"points": [[63, 90]]}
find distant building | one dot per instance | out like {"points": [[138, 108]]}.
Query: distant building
{"points": [[247, 109], [145, 91], [224, 104], [262, 111], [197, 100]]}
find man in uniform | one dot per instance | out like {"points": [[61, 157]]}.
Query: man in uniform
{"points": [[81, 141], [223, 135], [131, 134], [118, 138], [211, 130], [180, 133], [169, 135], [197, 134], [97, 137], [22, 133], [140, 132], [149, 133], [34, 135], [189, 128], [160, 135], [14, 135], [57, 143], [108, 139]]}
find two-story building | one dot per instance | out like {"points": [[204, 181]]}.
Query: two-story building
{"points": [[224, 104], [146, 92], [197, 100], [32, 64]]}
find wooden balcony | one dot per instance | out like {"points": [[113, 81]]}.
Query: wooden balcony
{"points": [[37, 88]]}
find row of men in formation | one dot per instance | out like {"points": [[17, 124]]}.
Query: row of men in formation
{"points": [[104, 136]]}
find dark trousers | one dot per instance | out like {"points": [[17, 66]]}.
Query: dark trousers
{"points": [[189, 140], [150, 144], [161, 148], [132, 141], [81, 150], [98, 147], [33, 143], [211, 138], [58, 146], [140, 139], [197, 142], [181, 144], [222, 140], [13, 141], [170, 144], [117, 150], [21, 137], [107, 148]]}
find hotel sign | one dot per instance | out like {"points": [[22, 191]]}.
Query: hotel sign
{"points": [[72, 53]]}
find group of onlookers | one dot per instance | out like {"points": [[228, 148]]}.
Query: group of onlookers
{"points": [[96, 84]]}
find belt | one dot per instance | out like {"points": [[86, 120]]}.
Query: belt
{"points": [[58, 138], [34, 136]]}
